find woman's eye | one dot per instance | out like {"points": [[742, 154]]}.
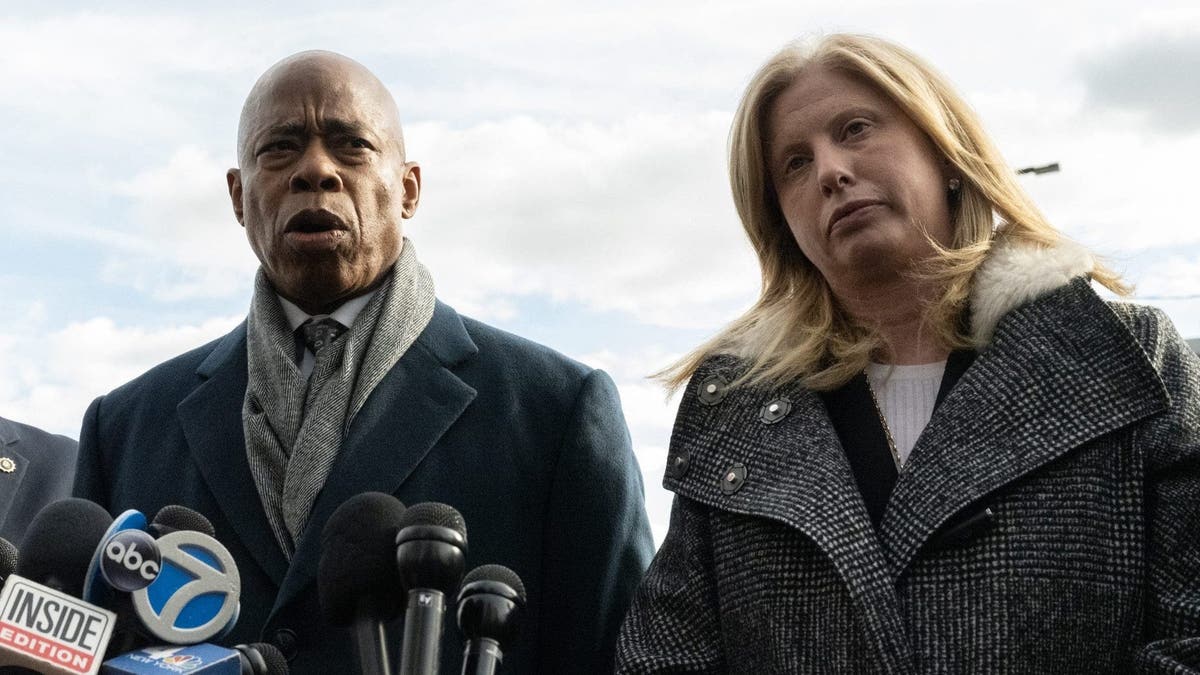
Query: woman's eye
{"points": [[795, 163]]}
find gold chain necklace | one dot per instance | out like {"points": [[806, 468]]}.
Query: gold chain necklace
{"points": [[887, 431]]}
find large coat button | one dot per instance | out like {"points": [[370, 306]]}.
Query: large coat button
{"points": [[775, 411], [677, 465], [733, 479], [713, 389]]}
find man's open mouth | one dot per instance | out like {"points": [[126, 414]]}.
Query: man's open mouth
{"points": [[314, 220]]}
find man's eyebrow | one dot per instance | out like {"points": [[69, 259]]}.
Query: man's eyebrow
{"points": [[298, 129], [336, 126], [284, 129]]}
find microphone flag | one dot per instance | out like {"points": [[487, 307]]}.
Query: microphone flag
{"points": [[203, 658], [49, 631], [196, 593]]}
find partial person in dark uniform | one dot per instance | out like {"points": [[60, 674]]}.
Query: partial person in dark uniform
{"points": [[931, 446], [36, 468]]}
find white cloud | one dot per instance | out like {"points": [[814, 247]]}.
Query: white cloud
{"points": [[1145, 76], [1176, 276], [1119, 185], [48, 375], [631, 216], [186, 242], [132, 78]]}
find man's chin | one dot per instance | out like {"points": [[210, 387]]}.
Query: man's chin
{"points": [[315, 293]]}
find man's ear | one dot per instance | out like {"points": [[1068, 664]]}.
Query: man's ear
{"points": [[412, 189], [234, 178]]}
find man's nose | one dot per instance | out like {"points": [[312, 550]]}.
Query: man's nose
{"points": [[316, 171], [834, 170]]}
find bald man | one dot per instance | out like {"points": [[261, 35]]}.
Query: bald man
{"points": [[349, 376]]}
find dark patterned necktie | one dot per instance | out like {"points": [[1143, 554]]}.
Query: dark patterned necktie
{"points": [[317, 334]]}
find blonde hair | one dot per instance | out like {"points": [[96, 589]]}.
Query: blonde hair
{"points": [[795, 330]]}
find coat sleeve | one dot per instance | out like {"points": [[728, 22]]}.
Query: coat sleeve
{"points": [[1172, 444], [90, 480], [674, 625], [597, 535]]}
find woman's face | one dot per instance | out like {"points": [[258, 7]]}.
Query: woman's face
{"points": [[856, 179]]}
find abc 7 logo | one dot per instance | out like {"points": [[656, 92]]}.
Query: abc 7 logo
{"points": [[196, 595], [131, 560]]}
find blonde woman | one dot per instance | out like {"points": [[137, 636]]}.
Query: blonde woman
{"points": [[929, 446]]}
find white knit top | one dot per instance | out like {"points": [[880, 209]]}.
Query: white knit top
{"points": [[906, 395]]}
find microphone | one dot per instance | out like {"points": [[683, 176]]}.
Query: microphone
{"points": [[59, 543], [262, 658], [129, 560], [357, 580], [201, 659], [126, 559], [8, 559], [491, 599], [174, 517], [182, 588], [44, 626], [430, 555]]}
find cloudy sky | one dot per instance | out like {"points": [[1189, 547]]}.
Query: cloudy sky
{"points": [[572, 157]]}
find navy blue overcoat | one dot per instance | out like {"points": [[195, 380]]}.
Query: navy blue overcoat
{"points": [[528, 445]]}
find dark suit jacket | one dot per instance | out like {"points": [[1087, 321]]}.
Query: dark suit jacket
{"points": [[42, 468], [529, 446], [1078, 428]]}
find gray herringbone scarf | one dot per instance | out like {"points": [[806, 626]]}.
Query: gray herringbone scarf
{"points": [[294, 427]]}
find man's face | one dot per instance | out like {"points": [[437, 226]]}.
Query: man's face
{"points": [[323, 184]]}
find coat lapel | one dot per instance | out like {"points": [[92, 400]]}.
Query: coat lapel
{"points": [[401, 420], [211, 418], [795, 472], [1033, 395], [10, 481]]}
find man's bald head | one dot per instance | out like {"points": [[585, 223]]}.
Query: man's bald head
{"points": [[316, 69], [322, 183]]}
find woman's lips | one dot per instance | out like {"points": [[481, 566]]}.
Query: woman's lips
{"points": [[853, 213]]}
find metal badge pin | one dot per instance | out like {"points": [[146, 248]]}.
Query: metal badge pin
{"points": [[7, 465]]}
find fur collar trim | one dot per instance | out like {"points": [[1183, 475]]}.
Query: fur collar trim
{"points": [[1015, 273]]}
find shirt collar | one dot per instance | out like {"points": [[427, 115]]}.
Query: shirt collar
{"points": [[344, 314]]}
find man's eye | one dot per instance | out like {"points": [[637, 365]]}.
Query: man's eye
{"points": [[278, 146], [360, 144]]}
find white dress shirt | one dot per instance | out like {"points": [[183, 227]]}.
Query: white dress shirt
{"points": [[345, 314]]}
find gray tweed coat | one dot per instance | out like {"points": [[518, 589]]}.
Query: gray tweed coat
{"points": [[1077, 429]]}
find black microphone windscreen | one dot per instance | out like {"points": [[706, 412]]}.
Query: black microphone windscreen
{"points": [[498, 573], [358, 559], [59, 543], [8, 559], [174, 517], [271, 656], [435, 514]]}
